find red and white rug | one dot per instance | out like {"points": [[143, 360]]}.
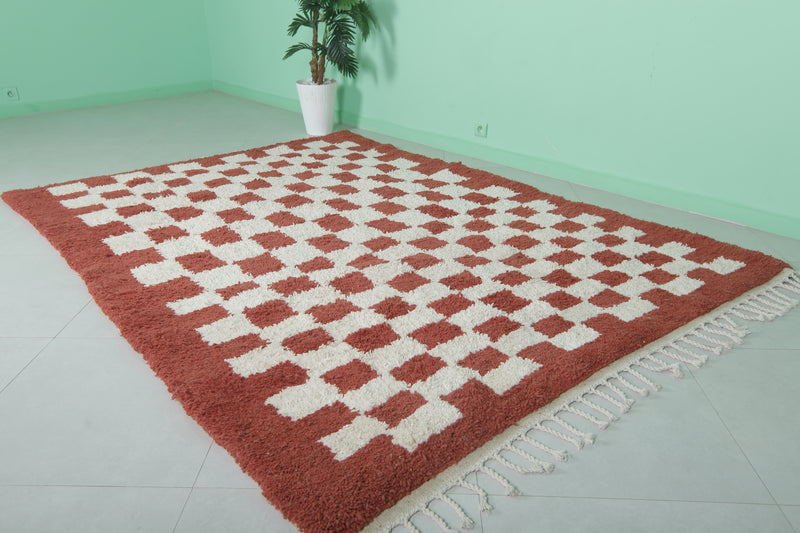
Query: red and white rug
{"points": [[362, 327]]}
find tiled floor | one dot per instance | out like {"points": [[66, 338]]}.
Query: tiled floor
{"points": [[90, 440]]}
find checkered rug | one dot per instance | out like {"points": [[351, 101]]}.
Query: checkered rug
{"points": [[362, 327]]}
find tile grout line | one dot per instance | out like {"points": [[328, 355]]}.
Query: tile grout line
{"points": [[36, 356], [741, 449], [191, 489]]}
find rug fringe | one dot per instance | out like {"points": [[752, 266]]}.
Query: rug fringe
{"points": [[713, 335]]}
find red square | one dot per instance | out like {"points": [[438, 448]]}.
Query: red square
{"points": [[294, 285], [293, 200], [462, 281], [220, 236], [234, 215], [564, 258], [562, 278], [388, 208], [318, 263], [512, 278], [273, 240], [388, 192], [334, 222], [451, 304], [608, 298], [522, 242], [421, 260], [388, 226], [561, 300], [372, 338], [476, 243], [337, 310], [418, 368], [284, 218], [269, 313], [428, 243], [352, 283], [398, 407], [307, 341], [505, 301], [436, 333], [497, 327], [408, 282], [351, 376], [484, 360], [479, 225], [380, 243], [609, 258], [200, 262], [328, 243], [436, 226], [437, 211], [393, 307], [366, 261], [552, 325]]}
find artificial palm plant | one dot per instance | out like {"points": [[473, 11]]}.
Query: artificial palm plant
{"points": [[340, 21]]}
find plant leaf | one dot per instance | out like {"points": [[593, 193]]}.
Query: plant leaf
{"points": [[296, 48], [299, 21]]}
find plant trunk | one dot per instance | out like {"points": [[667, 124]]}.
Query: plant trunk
{"points": [[317, 60]]}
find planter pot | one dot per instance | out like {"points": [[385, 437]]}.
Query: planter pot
{"points": [[317, 103]]}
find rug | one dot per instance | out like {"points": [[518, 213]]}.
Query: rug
{"points": [[362, 327]]}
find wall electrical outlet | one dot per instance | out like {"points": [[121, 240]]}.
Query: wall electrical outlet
{"points": [[9, 94], [481, 130]]}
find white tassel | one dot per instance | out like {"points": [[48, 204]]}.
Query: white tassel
{"points": [[602, 424], [624, 408], [641, 377], [559, 455], [483, 496], [433, 515], [657, 366], [466, 521], [566, 438], [511, 490]]}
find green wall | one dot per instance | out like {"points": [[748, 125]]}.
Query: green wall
{"points": [[690, 104], [63, 54], [685, 103]]}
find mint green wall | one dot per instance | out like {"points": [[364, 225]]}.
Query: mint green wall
{"points": [[63, 54], [685, 103], [690, 104]]}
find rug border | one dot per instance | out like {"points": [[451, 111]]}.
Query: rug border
{"points": [[437, 487]]}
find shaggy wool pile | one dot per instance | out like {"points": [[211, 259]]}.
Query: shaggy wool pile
{"points": [[360, 327]]}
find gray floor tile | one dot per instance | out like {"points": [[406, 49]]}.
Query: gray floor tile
{"points": [[90, 412], [563, 515], [782, 247], [232, 511], [135, 135], [670, 446], [39, 295], [221, 471], [792, 513], [782, 333], [15, 354], [90, 323], [89, 509], [755, 393]]}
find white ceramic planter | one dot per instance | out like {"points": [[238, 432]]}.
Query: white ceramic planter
{"points": [[317, 103]]}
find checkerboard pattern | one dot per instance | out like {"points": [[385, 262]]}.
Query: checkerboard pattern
{"points": [[389, 283]]}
